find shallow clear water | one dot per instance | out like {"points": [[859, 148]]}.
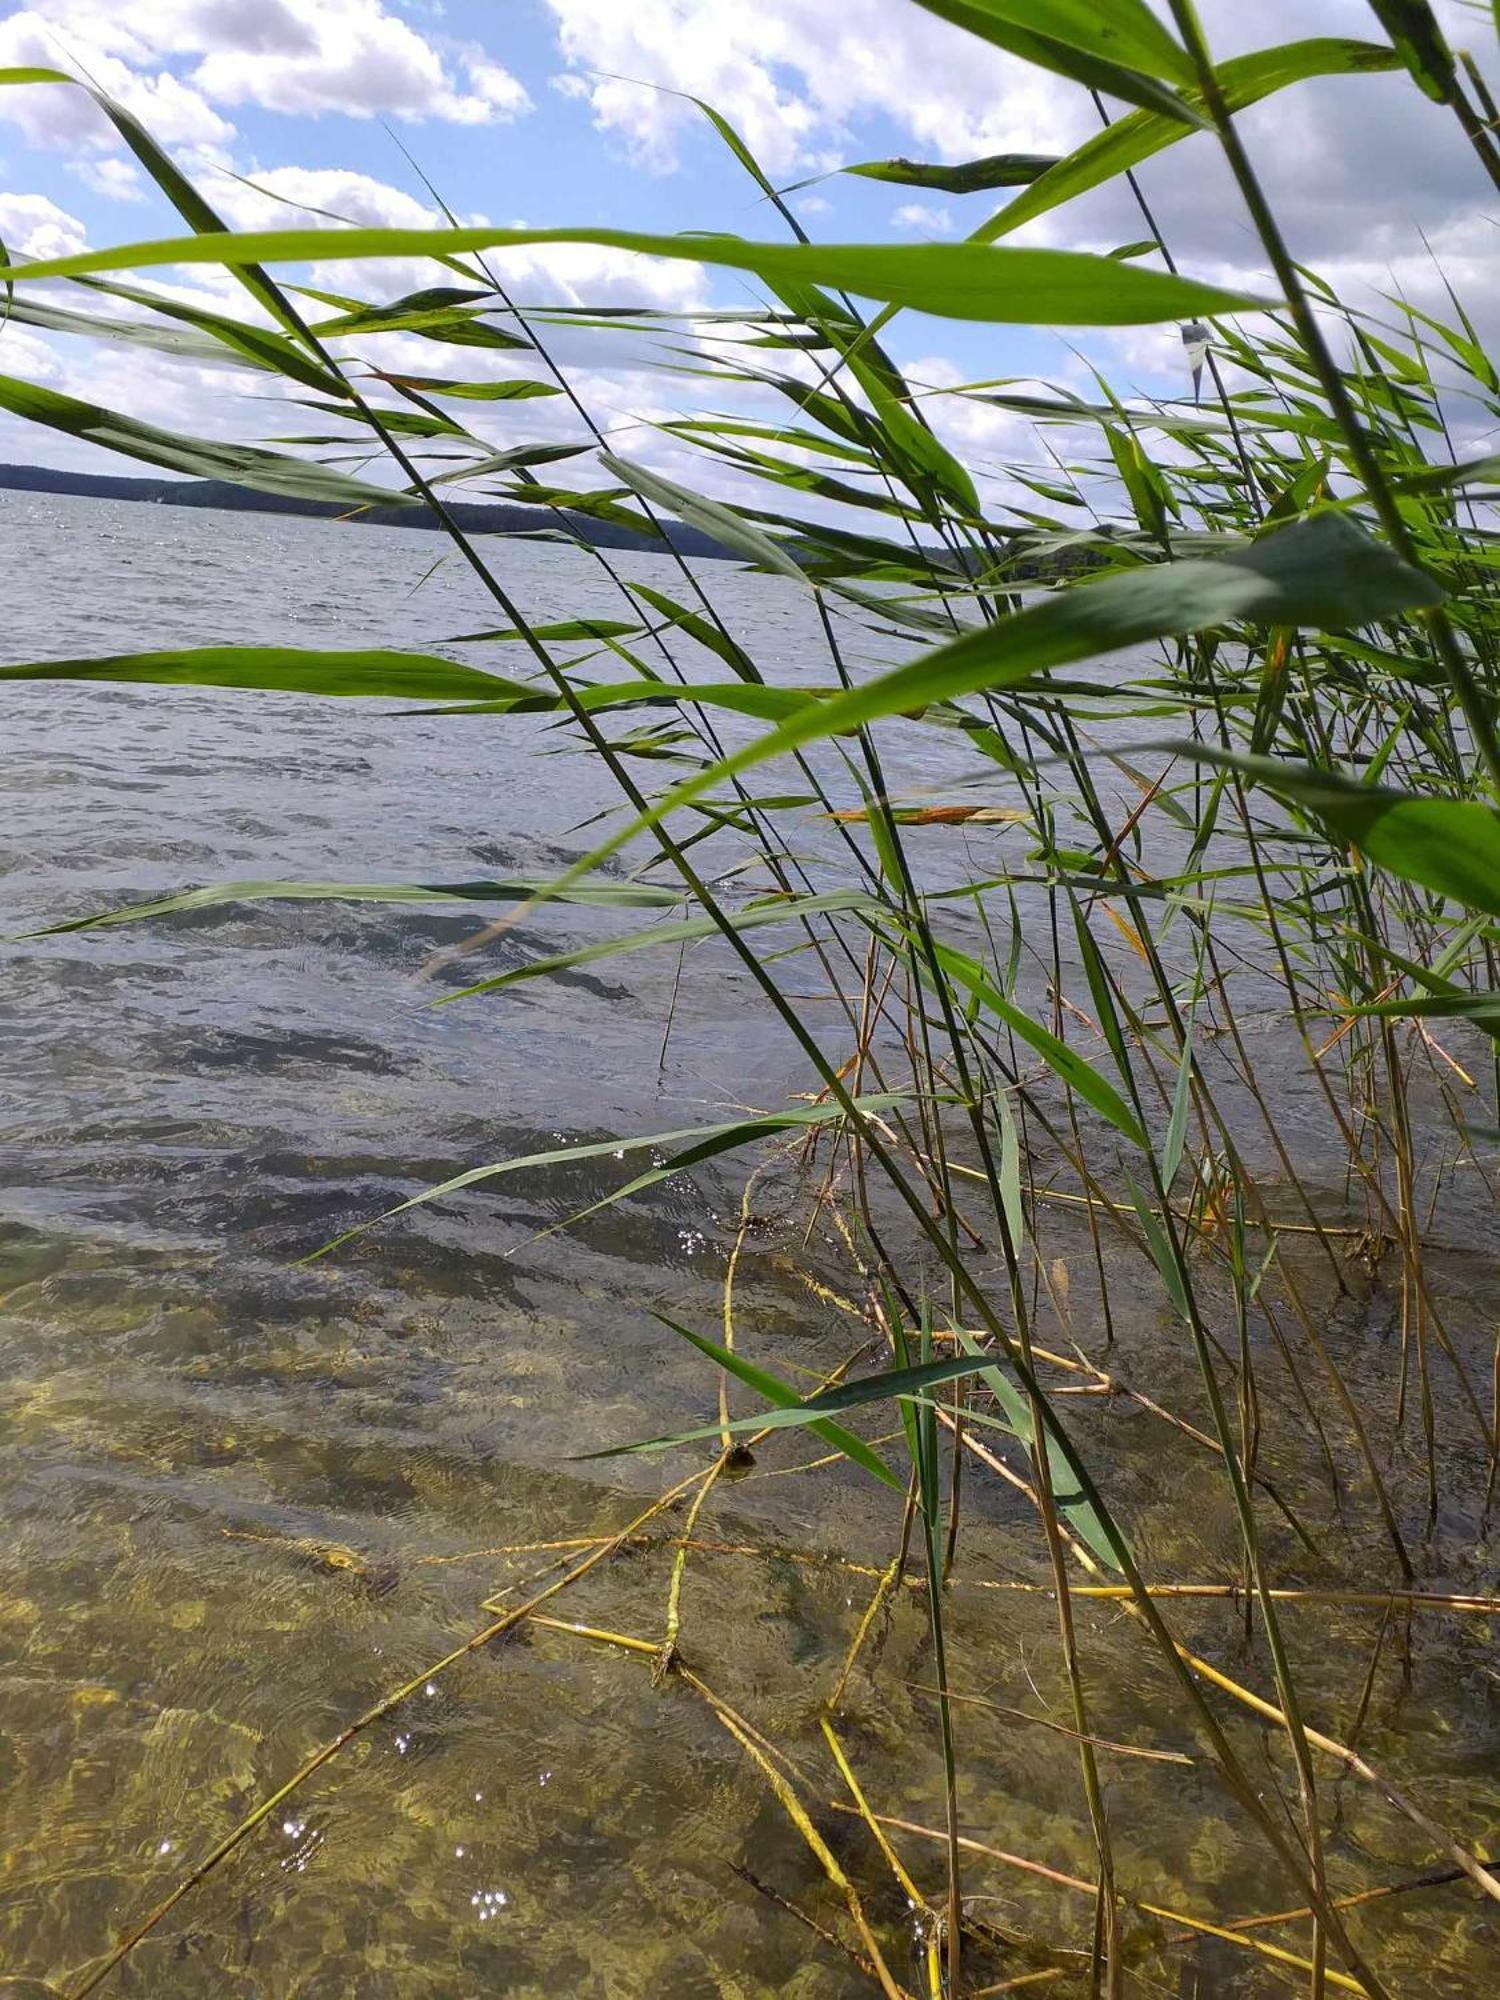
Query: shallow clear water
{"points": [[243, 1498]]}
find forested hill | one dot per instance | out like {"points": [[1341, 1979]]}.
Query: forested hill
{"points": [[474, 517]]}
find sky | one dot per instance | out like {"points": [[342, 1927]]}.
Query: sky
{"points": [[572, 112]]}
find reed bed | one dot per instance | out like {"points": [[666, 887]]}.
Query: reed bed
{"points": [[1219, 706]]}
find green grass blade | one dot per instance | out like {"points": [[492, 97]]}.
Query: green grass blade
{"points": [[1324, 571], [781, 1395], [1125, 144], [1017, 1421], [1072, 42], [1413, 27], [206, 458], [1451, 846], [1176, 1139], [971, 177], [174, 184], [703, 1142], [287, 670], [723, 523], [899, 1382], [692, 930], [1066, 1063], [514, 389], [602, 895], [970, 281]]}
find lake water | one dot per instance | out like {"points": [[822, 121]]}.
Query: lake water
{"points": [[244, 1498]]}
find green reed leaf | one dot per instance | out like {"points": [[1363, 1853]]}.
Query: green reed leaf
{"points": [[725, 524], [174, 184], [781, 1395], [1116, 46], [1132, 139], [1451, 846], [1072, 1502], [971, 281], [285, 670], [897, 1382], [206, 458], [1319, 572], [1413, 27], [968, 177], [518, 389], [1066, 1063], [780, 910], [519, 889], [694, 1144]]}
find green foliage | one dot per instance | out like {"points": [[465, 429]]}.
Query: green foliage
{"points": [[972, 177], [1125, 144], [240, 464], [951, 280]]}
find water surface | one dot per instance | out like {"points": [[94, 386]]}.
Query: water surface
{"points": [[244, 1497]]}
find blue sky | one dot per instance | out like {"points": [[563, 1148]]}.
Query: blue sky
{"points": [[514, 110]]}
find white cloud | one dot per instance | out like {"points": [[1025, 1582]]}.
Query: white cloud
{"points": [[571, 276], [793, 74], [1357, 167], [325, 197], [1354, 165], [116, 179], [352, 56], [924, 217], [32, 225], [321, 195], [54, 36], [29, 356], [174, 62], [585, 274]]}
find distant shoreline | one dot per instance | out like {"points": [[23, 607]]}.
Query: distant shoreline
{"points": [[474, 517]]}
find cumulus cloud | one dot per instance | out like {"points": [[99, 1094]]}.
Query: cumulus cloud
{"points": [[565, 276], [1358, 168], [53, 36], [116, 179], [352, 56], [923, 216], [793, 76], [32, 225], [179, 63], [323, 195]]}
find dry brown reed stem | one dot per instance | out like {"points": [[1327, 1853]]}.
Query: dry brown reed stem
{"points": [[1461, 1603], [889, 1577], [821, 1931], [915, 1899], [1267, 1224], [245, 1827], [1358, 1766], [1059, 1728], [1079, 1886], [797, 1813], [727, 1455], [1477, 1871], [767, 1758], [1107, 1384], [728, 1448], [1437, 1878], [1015, 1985]]}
